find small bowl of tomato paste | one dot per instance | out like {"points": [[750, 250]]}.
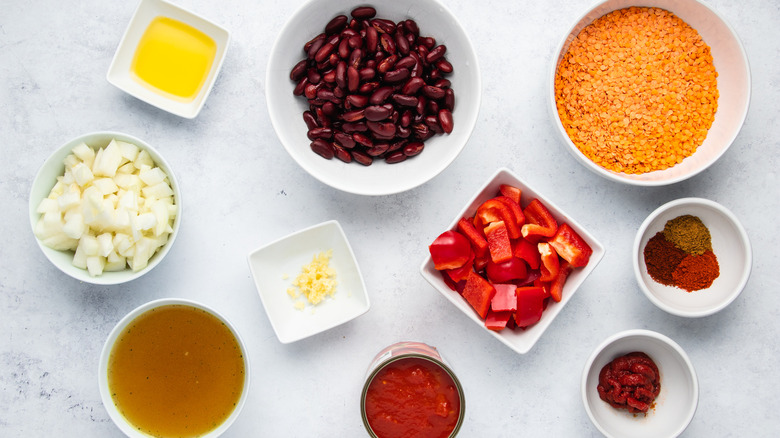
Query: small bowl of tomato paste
{"points": [[411, 392], [640, 383]]}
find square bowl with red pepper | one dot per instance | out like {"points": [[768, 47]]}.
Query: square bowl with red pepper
{"points": [[511, 260]]}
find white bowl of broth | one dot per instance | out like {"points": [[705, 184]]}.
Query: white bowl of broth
{"points": [[173, 368]]}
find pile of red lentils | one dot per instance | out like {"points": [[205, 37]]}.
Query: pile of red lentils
{"points": [[637, 90]]}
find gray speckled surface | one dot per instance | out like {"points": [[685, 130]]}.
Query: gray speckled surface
{"points": [[53, 61]]}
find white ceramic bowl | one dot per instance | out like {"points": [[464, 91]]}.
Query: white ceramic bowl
{"points": [[730, 244], [47, 177], [734, 87], [676, 403], [275, 266], [105, 391], [285, 109], [119, 73], [520, 341]]}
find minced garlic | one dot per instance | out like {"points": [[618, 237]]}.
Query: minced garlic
{"points": [[316, 279]]}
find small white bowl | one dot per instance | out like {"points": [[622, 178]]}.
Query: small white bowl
{"points": [[520, 341], [676, 403], [119, 73], [730, 244], [47, 177], [734, 87], [380, 178], [105, 391], [275, 266]]}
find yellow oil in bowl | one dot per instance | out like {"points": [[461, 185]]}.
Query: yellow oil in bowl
{"points": [[173, 58]]}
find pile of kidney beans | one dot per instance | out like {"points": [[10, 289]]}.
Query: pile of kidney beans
{"points": [[376, 89]]}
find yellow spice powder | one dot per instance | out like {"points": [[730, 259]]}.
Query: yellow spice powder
{"points": [[637, 90]]}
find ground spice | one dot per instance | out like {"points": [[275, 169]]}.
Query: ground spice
{"points": [[637, 90], [688, 233], [696, 272], [661, 259]]}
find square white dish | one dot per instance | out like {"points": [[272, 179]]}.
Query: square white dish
{"points": [[120, 75], [518, 340], [275, 266]]}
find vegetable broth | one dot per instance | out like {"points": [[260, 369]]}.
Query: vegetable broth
{"points": [[176, 371]]}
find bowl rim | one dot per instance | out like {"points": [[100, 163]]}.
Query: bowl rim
{"points": [[743, 238], [277, 123], [619, 176], [117, 418], [646, 334], [53, 159]]}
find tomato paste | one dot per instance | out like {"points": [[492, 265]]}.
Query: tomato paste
{"points": [[412, 397], [630, 382]]}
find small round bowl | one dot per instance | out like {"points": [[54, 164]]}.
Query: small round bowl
{"points": [[730, 244], [675, 405], [380, 178], [121, 327], [734, 87], [47, 177]]}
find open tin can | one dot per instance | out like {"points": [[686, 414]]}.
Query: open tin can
{"points": [[409, 387]]}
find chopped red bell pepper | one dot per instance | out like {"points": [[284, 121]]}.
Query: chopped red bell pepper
{"points": [[478, 292], [556, 286], [539, 221], [512, 269], [450, 250], [511, 192], [497, 321], [529, 252], [516, 210], [494, 210], [460, 274], [505, 298], [530, 304], [475, 236], [498, 242], [550, 262], [570, 246]]}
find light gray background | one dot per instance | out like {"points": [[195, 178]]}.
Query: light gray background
{"points": [[241, 190]]}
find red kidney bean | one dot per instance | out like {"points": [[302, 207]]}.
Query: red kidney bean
{"points": [[376, 113], [310, 91], [381, 129], [443, 83], [353, 79], [362, 158], [344, 50], [432, 107], [329, 76], [387, 42], [353, 116], [449, 99], [355, 42], [364, 12], [356, 100], [413, 148], [403, 131], [299, 70], [325, 94], [401, 43], [380, 95], [412, 86], [320, 133], [445, 119], [315, 46], [324, 52], [348, 33], [422, 51], [368, 87], [395, 157], [307, 46], [341, 75], [436, 53], [387, 64], [336, 24], [433, 92], [383, 25], [378, 149], [422, 101], [372, 39], [363, 139], [341, 153], [427, 42], [313, 76], [397, 145], [322, 148], [405, 100], [366, 74], [405, 62], [351, 127], [355, 57], [344, 139], [420, 130], [411, 27], [329, 108], [444, 65], [310, 120], [406, 119], [300, 86], [398, 75]]}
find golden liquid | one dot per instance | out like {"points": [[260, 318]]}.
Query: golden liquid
{"points": [[176, 371], [174, 58]]}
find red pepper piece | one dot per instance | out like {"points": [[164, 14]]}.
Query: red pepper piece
{"points": [[529, 252], [455, 286], [498, 242], [511, 192], [497, 320], [550, 263], [494, 210], [512, 269], [505, 298], [517, 212], [478, 292], [556, 286], [460, 274], [570, 246], [475, 236], [450, 250], [530, 305], [539, 220]]}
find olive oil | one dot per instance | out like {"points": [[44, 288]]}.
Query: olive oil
{"points": [[173, 58]]}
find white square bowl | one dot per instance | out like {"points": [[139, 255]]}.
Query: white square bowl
{"points": [[518, 340], [119, 73], [285, 257]]}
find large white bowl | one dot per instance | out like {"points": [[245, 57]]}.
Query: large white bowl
{"points": [[734, 87], [676, 403], [285, 109], [730, 244], [520, 341], [105, 391], [47, 177]]}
